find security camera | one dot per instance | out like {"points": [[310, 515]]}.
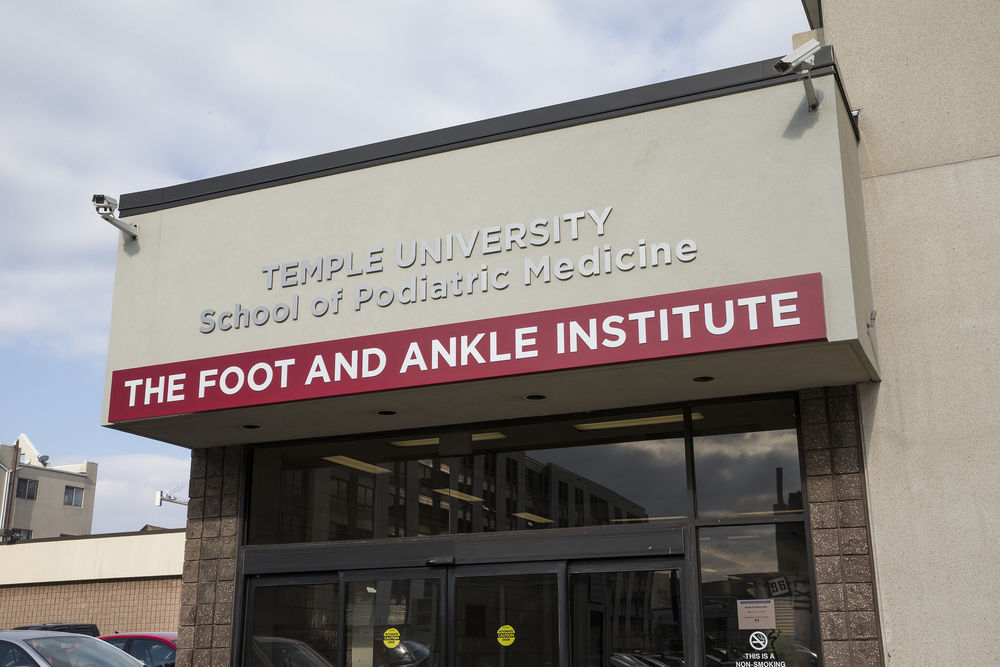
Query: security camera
{"points": [[104, 203], [799, 59], [105, 207]]}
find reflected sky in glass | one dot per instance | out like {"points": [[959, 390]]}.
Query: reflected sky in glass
{"points": [[649, 473]]}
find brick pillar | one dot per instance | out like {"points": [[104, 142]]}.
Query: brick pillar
{"points": [[209, 588], [841, 540]]}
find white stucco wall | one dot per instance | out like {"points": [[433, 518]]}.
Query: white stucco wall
{"points": [[931, 161], [140, 555]]}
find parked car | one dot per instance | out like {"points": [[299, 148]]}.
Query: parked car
{"points": [[279, 651], [79, 628], [46, 648], [154, 649]]}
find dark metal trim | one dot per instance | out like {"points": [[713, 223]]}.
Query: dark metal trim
{"points": [[466, 550], [634, 564], [814, 13], [696, 88], [238, 625]]}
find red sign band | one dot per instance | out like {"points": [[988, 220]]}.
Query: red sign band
{"points": [[767, 312]]}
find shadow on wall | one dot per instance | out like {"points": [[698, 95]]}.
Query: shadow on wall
{"points": [[803, 119]]}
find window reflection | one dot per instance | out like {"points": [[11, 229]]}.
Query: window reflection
{"points": [[295, 625], [746, 458], [402, 488], [626, 618], [565, 473], [392, 623], [767, 565], [525, 606]]}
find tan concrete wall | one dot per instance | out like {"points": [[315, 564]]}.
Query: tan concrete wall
{"points": [[920, 73], [753, 178], [46, 516], [122, 605], [930, 145], [139, 555]]}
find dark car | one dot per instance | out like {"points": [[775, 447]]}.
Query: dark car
{"points": [[41, 648], [79, 628], [154, 649], [277, 651]]}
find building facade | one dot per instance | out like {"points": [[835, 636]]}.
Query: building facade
{"points": [[647, 378], [120, 583], [41, 500]]}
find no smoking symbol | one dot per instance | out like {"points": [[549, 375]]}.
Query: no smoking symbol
{"points": [[758, 641]]}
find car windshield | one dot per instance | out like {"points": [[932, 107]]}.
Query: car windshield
{"points": [[78, 651]]}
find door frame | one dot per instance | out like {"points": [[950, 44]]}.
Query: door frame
{"points": [[447, 573], [558, 568]]}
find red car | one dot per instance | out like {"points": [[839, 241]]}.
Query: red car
{"points": [[155, 649]]}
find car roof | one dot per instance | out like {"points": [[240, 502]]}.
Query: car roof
{"points": [[21, 635], [169, 636]]}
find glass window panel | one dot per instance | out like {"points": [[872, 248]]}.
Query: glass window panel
{"points": [[393, 622], [746, 458], [507, 620], [73, 496], [295, 625], [374, 489], [153, 653], [766, 564], [625, 618], [12, 656], [27, 488]]}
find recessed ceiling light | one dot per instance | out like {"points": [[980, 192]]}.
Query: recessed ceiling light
{"points": [[357, 465], [459, 495], [638, 421], [490, 435], [415, 442], [535, 397], [423, 442], [385, 413], [703, 378], [250, 427]]}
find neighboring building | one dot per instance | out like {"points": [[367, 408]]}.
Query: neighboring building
{"points": [[689, 371], [42, 500], [129, 582]]}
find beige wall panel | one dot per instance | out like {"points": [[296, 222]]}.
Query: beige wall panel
{"points": [[753, 178], [920, 72], [46, 515], [141, 555], [857, 233], [931, 426]]}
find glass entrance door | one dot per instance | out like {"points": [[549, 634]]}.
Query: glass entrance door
{"points": [[393, 618], [626, 614], [508, 616], [608, 613]]}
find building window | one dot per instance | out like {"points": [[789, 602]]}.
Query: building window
{"points": [[610, 469], [73, 496], [27, 488], [20, 534]]}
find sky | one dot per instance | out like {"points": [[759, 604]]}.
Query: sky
{"points": [[112, 97]]}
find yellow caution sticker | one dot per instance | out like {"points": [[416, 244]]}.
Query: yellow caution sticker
{"points": [[505, 635], [391, 638]]}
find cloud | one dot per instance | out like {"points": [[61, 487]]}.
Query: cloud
{"points": [[116, 96], [126, 485]]}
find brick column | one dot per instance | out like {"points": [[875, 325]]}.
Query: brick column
{"points": [[209, 588], [841, 540]]}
